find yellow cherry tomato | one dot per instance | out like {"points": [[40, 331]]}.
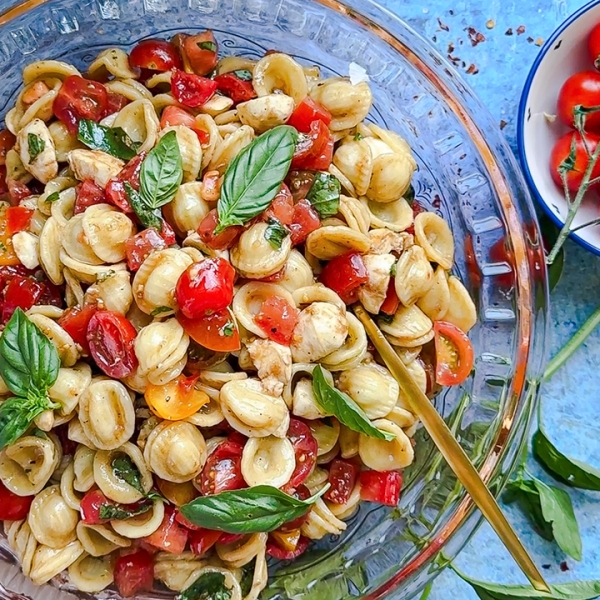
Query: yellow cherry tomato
{"points": [[176, 400], [177, 493], [287, 540]]}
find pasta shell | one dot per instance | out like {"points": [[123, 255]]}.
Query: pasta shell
{"points": [[69, 385], [68, 492], [396, 216], [229, 117], [188, 207], [47, 69], [402, 417], [90, 574], [348, 104], [297, 273], [280, 73], [327, 434], [190, 150], [112, 61], [355, 214], [409, 325], [230, 582], [62, 209], [230, 147], [217, 105], [87, 273], [75, 243], [175, 570], [15, 169], [100, 540], [433, 234], [392, 174], [210, 414], [141, 124], [266, 112], [83, 469], [346, 183], [373, 292], [355, 161], [381, 455], [328, 242], [240, 553], [67, 349], [141, 525], [317, 292], [352, 351], [207, 124], [298, 393], [414, 276], [113, 292], [63, 140], [348, 442], [106, 230], [436, 302], [51, 520], [130, 88], [49, 562], [321, 521], [461, 311], [268, 461], [21, 542], [227, 64]]}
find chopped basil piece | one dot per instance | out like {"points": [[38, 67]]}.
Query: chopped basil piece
{"points": [[228, 329], [243, 74], [160, 310], [210, 46], [275, 233], [324, 195], [35, 145], [53, 197], [120, 512]]}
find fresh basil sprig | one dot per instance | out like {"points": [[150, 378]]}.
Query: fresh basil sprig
{"points": [[209, 586], [275, 233], [112, 140], [254, 176], [35, 146], [324, 194], [17, 415], [347, 412], [258, 509]]}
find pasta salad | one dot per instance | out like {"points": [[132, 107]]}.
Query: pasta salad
{"points": [[184, 389]]}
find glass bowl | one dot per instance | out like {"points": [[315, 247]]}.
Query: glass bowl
{"points": [[466, 172]]}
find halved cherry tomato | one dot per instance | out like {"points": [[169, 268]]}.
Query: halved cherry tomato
{"points": [[392, 302], [192, 90], [237, 85], [300, 183], [305, 448], [344, 275], [115, 189], [170, 536], [88, 194], [305, 220], [222, 241], [314, 150], [205, 286], [454, 354], [90, 506], [185, 523], [8, 258], [580, 89], [381, 487], [561, 155], [139, 247], [7, 142], [75, 322], [13, 507], [20, 292], [17, 191], [230, 538], [155, 55], [18, 218], [177, 493], [306, 113], [342, 477], [115, 103], [217, 331], [111, 337], [223, 470], [202, 540], [594, 45], [134, 573], [301, 493], [277, 318], [274, 550], [282, 207], [200, 52], [80, 98], [176, 400], [174, 115]]}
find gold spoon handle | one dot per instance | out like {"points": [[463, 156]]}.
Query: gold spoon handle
{"points": [[453, 452]]}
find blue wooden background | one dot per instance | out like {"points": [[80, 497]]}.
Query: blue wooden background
{"points": [[496, 67]]}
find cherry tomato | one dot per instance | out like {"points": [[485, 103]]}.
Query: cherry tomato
{"points": [[282, 207], [381, 487], [306, 113], [13, 507], [454, 354], [170, 536], [111, 336], [217, 332], [7, 142], [90, 506], [471, 262], [80, 98], [222, 241], [17, 191], [205, 286], [594, 45], [277, 319], [88, 194], [134, 573], [18, 218], [580, 89], [300, 183], [274, 550], [391, 303], [139, 247], [301, 493], [237, 85], [155, 55], [200, 52], [561, 154], [115, 103], [223, 470], [192, 90], [314, 150], [20, 292], [173, 115], [305, 448], [176, 400], [8, 258], [305, 220], [115, 189], [286, 540], [75, 322], [342, 477], [344, 275], [202, 540]]}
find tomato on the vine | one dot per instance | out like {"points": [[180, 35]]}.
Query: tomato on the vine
{"points": [[454, 354], [570, 156], [217, 331], [581, 89], [80, 98]]}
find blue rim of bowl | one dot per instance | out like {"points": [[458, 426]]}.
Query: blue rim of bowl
{"points": [[521, 122]]}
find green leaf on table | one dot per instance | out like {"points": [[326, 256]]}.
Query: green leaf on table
{"points": [[209, 586], [570, 471], [324, 194], [112, 140], [149, 217], [550, 236], [346, 411], [254, 176], [275, 233], [35, 146], [526, 494]]}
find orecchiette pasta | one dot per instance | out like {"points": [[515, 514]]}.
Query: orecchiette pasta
{"points": [[268, 461], [51, 520]]}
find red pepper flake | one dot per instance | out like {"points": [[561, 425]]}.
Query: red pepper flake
{"points": [[472, 70], [509, 31], [503, 124], [450, 48], [520, 29], [442, 25]]}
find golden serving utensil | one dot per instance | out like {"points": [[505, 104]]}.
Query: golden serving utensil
{"points": [[452, 451]]}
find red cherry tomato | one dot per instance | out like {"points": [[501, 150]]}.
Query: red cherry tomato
{"points": [[305, 448], [301, 492], [277, 319], [173, 115], [192, 90], [381, 487], [300, 183], [88, 194], [223, 470], [282, 207], [155, 55], [141, 245], [18, 218], [561, 154], [580, 89], [20, 292], [17, 191], [115, 103], [237, 85], [7, 142], [111, 336], [594, 45], [75, 322], [200, 52], [13, 507], [90, 506], [342, 477], [306, 113], [217, 332], [314, 150], [454, 354], [205, 286], [80, 98], [392, 302], [170, 536], [344, 275], [134, 573], [224, 240], [274, 550], [202, 540], [305, 220], [115, 189]]}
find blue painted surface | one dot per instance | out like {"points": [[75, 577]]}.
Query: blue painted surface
{"points": [[571, 398]]}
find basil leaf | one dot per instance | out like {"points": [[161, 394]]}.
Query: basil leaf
{"points": [[29, 362], [210, 46], [324, 195], [347, 412], [243, 74], [53, 197], [228, 329], [120, 512], [147, 216], [254, 176], [210, 586], [526, 494], [162, 172], [257, 509], [16, 416], [112, 140], [570, 471], [275, 233], [35, 146], [160, 310], [124, 468]]}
